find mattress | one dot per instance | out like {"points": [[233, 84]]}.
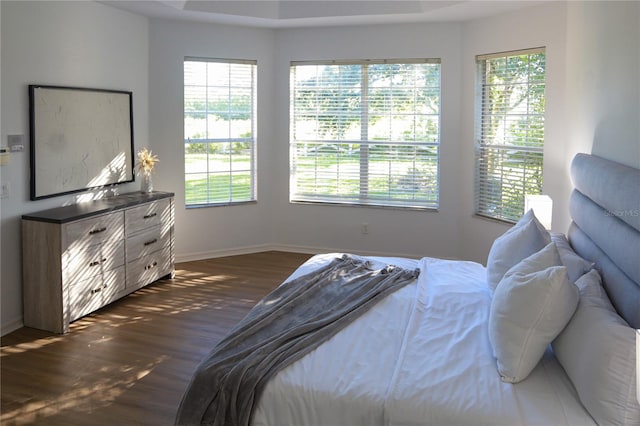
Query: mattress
{"points": [[420, 357]]}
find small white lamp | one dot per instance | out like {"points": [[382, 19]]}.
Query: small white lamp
{"points": [[542, 206]]}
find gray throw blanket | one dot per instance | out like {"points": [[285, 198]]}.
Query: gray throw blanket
{"points": [[287, 324]]}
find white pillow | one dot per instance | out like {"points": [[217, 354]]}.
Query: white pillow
{"points": [[525, 238], [576, 265], [597, 349], [530, 307]]}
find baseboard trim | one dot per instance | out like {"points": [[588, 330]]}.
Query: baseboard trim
{"points": [[280, 247], [11, 326], [189, 257]]}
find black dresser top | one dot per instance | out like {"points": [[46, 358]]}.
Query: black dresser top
{"points": [[93, 208]]}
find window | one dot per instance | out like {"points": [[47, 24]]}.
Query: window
{"points": [[509, 131], [219, 131], [365, 132]]}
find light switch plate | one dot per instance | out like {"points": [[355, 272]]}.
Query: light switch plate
{"points": [[4, 156], [5, 190]]}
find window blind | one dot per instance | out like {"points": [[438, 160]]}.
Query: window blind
{"points": [[509, 131], [365, 132], [219, 131]]}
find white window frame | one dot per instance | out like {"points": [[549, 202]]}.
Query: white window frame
{"points": [[496, 150], [365, 149], [217, 200]]}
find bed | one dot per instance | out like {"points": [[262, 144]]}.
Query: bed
{"points": [[457, 345]]}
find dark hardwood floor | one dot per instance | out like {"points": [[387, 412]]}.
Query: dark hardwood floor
{"points": [[130, 362]]}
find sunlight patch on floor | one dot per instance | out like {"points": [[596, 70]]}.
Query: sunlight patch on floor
{"points": [[85, 396], [27, 346]]}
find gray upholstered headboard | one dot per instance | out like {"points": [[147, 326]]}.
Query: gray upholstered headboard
{"points": [[605, 208]]}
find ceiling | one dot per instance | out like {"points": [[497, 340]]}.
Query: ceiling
{"points": [[309, 13]]}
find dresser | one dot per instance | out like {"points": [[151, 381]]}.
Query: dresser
{"points": [[79, 258]]}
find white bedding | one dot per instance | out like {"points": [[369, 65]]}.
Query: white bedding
{"points": [[420, 357]]}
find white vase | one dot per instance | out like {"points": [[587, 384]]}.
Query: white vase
{"points": [[146, 183]]}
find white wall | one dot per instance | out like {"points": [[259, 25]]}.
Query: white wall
{"points": [[273, 221], [593, 95], [603, 75], [542, 26], [82, 44], [413, 233], [205, 232]]}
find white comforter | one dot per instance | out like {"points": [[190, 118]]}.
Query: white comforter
{"points": [[420, 357]]}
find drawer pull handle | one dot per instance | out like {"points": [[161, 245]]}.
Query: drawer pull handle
{"points": [[150, 215], [98, 290], [148, 243], [97, 262], [151, 265], [97, 231]]}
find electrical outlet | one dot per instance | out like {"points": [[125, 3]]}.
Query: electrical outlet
{"points": [[365, 228]]}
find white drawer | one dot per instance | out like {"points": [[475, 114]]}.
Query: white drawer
{"points": [[147, 215], [148, 241], [148, 269], [94, 260], [84, 233], [91, 294]]}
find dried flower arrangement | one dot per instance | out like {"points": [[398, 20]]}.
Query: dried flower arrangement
{"points": [[146, 161]]}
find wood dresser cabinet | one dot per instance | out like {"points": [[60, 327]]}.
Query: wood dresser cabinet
{"points": [[79, 258]]}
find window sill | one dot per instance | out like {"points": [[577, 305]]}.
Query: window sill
{"points": [[493, 219], [372, 206], [204, 206]]}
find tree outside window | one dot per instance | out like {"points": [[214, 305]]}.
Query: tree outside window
{"points": [[366, 132], [510, 105]]}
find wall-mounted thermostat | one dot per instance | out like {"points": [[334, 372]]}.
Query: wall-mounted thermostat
{"points": [[16, 143]]}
